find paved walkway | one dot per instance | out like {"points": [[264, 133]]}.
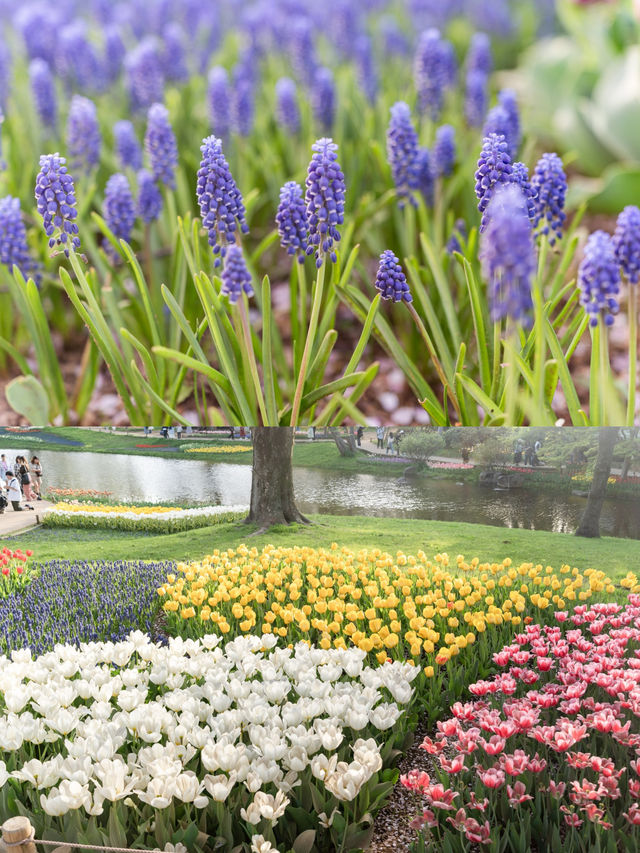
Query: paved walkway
{"points": [[15, 522]]}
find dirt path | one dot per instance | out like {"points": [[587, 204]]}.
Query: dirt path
{"points": [[15, 522]]}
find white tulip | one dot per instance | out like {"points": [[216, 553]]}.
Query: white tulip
{"points": [[69, 795], [219, 786], [159, 793], [260, 845]]}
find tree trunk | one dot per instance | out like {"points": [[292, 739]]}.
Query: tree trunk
{"points": [[590, 522], [272, 498], [345, 444]]}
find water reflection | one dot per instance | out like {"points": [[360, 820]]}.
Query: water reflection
{"points": [[165, 480]]}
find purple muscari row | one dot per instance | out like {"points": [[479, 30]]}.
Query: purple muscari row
{"points": [[494, 168], [81, 602], [77, 61], [35, 24], [43, 89], [476, 98], [149, 197], [366, 67], [394, 41], [323, 98], [391, 281], [344, 25], [83, 134], [56, 202], [402, 152], [292, 222], [424, 175], [119, 207], [160, 145], [325, 191], [242, 111], [550, 184], [303, 50], [520, 177], [14, 250], [219, 99], [174, 53], [443, 153], [114, 52], [127, 145], [287, 109], [220, 200], [599, 279], [235, 275], [507, 255], [494, 16], [432, 72], [144, 74], [626, 242], [479, 56]]}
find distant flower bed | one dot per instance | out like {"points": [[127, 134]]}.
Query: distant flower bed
{"points": [[451, 466], [551, 741], [231, 449], [78, 493], [153, 519], [77, 602]]}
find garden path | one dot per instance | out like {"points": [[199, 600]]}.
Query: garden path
{"points": [[15, 522]]}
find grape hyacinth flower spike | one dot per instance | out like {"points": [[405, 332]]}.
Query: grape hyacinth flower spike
{"points": [[119, 208], [521, 178], [43, 89], [83, 134], [160, 145], [56, 202], [391, 281], [325, 200], [599, 279], [287, 108], [236, 278], [476, 98], [402, 153], [127, 145], [221, 204], [626, 244], [507, 255], [432, 72], [14, 250], [550, 184], [292, 222], [219, 98], [323, 98], [443, 153], [494, 169], [149, 197]]}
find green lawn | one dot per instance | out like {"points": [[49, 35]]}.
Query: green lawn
{"points": [[615, 556]]}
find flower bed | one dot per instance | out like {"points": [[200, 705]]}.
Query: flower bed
{"points": [[78, 602], [152, 519], [77, 493], [544, 753], [15, 572], [451, 466], [400, 606], [218, 449], [133, 743]]}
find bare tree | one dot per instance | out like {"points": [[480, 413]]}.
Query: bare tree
{"points": [[272, 495], [590, 522]]}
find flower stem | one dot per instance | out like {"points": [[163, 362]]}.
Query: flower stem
{"points": [[595, 396], [251, 358], [540, 341], [311, 334], [436, 361], [633, 353]]}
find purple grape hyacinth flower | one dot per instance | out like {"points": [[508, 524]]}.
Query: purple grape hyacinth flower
{"points": [[424, 172], [479, 56], [626, 242], [235, 275], [550, 184], [599, 279], [508, 101], [366, 67], [292, 222], [56, 201], [219, 99], [220, 200], [14, 249], [114, 52], [145, 78], [43, 89], [127, 145], [402, 152], [243, 107], [432, 72], [521, 178], [174, 54], [149, 197], [160, 145], [325, 200], [119, 208], [476, 98], [494, 168], [391, 281], [323, 98], [83, 134], [443, 153], [499, 123], [507, 255], [287, 109]]}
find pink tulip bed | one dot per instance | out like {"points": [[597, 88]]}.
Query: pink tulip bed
{"points": [[545, 755]]}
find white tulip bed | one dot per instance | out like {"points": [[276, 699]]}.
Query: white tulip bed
{"points": [[239, 746], [146, 519]]}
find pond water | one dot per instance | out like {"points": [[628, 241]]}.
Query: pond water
{"points": [[146, 478]]}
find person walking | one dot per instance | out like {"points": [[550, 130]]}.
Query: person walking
{"points": [[4, 503], [380, 437], [390, 439], [4, 467], [25, 479], [359, 435], [36, 472], [399, 437], [14, 494]]}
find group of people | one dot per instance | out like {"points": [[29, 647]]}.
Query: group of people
{"points": [[20, 481], [393, 440], [527, 454]]}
